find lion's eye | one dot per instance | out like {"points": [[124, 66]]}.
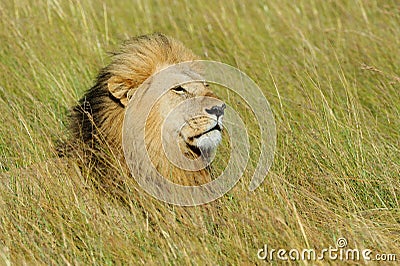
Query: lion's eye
{"points": [[179, 90]]}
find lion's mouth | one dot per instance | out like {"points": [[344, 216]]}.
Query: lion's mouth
{"points": [[216, 127], [194, 149], [205, 143]]}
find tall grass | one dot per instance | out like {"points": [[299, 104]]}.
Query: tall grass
{"points": [[330, 70]]}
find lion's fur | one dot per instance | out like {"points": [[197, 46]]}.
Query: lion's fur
{"points": [[97, 120], [100, 113]]}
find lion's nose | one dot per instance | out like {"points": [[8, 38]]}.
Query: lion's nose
{"points": [[216, 110]]}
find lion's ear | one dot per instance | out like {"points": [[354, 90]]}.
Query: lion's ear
{"points": [[119, 88]]}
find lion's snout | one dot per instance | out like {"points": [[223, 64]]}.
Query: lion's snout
{"points": [[216, 110], [203, 133]]}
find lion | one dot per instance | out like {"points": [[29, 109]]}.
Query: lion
{"points": [[97, 120]]}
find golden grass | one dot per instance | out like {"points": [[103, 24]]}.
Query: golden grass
{"points": [[329, 69]]}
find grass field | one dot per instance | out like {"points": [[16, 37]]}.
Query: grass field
{"points": [[330, 70]]}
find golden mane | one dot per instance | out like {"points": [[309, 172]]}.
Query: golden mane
{"points": [[97, 120]]}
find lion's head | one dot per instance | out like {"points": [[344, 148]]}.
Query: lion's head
{"points": [[196, 129]]}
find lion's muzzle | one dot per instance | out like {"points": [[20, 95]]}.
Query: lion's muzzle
{"points": [[216, 110], [202, 133]]}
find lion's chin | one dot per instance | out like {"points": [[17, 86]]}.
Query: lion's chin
{"points": [[207, 144]]}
